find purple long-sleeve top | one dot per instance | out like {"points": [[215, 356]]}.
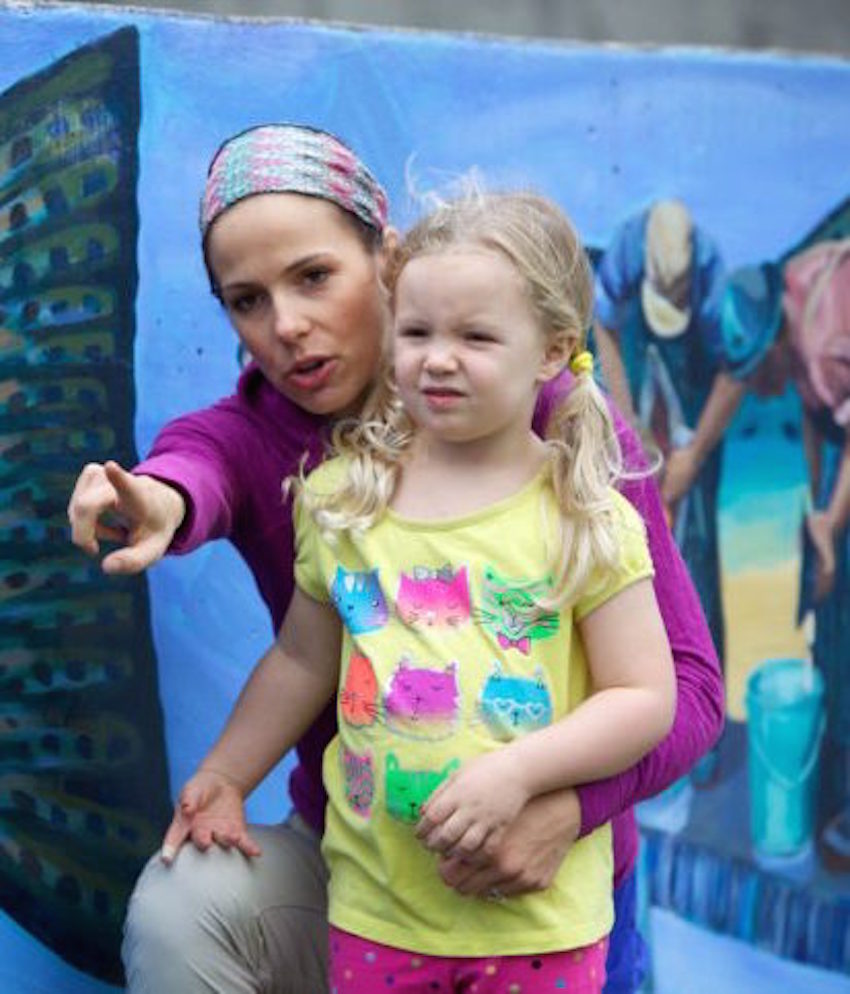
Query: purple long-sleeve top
{"points": [[228, 461]]}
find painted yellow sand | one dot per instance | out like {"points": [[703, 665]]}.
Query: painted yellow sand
{"points": [[760, 607]]}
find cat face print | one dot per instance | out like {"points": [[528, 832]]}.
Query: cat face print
{"points": [[358, 697], [509, 610], [513, 705], [408, 790], [359, 600], [421, 702], [359, 779], [434, 597]]}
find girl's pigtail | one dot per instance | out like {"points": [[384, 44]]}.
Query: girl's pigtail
{"points": [[585, 462]]}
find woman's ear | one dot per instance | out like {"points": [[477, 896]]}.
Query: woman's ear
{"points": [[387, 253], [560, 345]]}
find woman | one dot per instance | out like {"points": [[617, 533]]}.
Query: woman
{"points": [[295, 241]]}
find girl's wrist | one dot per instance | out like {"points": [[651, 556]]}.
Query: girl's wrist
{"points": [[228, 778], [518, 769]]}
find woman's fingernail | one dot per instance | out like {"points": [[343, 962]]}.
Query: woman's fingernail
{"points": [[167, 853]]}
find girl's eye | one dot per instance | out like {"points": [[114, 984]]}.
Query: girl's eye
{"points": [[411, 331], [479, 336]]}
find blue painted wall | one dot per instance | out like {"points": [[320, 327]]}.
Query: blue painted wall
{"points": [[756, 145]]}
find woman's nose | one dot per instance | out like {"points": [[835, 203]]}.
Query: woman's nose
{"points": [[289, 322]]}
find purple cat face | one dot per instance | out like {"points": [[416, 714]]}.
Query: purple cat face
{"points": [[434, 597], [419, 698]]}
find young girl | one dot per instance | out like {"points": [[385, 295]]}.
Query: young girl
{"points": [[489, 597]]}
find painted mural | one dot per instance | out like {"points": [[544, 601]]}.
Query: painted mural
{"points": [[712, 188], [83, 783]]}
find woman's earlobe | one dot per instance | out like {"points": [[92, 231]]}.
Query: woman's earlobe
{"points": [[388, 252]]}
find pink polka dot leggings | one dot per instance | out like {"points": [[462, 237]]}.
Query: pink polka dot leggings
{"points": [[358, 966]]}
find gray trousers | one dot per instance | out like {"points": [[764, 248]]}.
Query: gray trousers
{"points": [[220, 923]]}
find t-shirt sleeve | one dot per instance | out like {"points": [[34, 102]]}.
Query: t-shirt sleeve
{"points": [[635, 562], [311, 550]]}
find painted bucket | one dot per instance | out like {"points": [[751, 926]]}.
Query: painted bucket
{"points": [[785, 724]]}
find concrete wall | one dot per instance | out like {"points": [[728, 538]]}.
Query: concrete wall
{"points": [[815, 26]]}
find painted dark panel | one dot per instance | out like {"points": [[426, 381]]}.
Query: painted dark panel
{"points": [[83, 782]]}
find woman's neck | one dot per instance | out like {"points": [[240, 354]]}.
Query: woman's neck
{"points": [[440, 480]]}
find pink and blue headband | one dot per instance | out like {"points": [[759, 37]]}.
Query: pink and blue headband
{"points": [[291, 158]]}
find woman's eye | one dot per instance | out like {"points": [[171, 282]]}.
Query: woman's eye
{"points": [[316, 275], [243, 303]]}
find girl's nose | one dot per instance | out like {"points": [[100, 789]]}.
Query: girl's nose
{"points": [[440, 358]]}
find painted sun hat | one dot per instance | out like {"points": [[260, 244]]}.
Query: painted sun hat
{"points": [[291, 158], [668, 253], [750, 315]]}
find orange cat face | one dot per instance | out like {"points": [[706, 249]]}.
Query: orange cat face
{"points": [[359, 695]]}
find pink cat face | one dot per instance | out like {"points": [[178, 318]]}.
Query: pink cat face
{"points": [[434, 597]]}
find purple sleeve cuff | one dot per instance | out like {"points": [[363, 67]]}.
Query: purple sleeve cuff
{"points": [[206, 511]]}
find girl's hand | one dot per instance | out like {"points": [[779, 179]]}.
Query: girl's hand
{"points": [[209, 810], [525, 859], [474, 806]]}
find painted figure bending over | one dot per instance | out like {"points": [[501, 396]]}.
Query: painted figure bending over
{"points": [[297, 259], [658, 290], [793, 324]]}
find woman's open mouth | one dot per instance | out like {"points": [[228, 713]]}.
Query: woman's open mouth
{"points": [[311, 373]]}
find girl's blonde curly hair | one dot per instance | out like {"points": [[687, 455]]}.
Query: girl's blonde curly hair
{"points": [[584, 457]]}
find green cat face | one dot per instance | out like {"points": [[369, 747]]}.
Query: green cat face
{"points": [[509, 610], [408, 790]]}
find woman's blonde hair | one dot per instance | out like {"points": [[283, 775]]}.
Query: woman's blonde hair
{"points": [[584, 454]]}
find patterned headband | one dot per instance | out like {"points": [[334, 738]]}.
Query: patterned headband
{"points": [[291, 158]]}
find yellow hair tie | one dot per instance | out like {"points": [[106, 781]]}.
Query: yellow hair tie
{"points": [[581, 362]]}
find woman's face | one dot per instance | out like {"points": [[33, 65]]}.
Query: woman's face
{"points": [[304, 294]]}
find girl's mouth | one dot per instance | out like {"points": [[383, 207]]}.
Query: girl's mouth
{"points": [[441, 398]]}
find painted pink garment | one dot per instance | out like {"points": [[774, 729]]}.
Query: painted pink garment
{"points": [[817, 304], [228, 460]]}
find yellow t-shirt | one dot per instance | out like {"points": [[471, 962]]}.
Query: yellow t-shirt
{"points": [[442, 659]]}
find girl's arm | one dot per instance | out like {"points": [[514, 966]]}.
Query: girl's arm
{"points": [[699, 680], [630, 711], [283, 696]]}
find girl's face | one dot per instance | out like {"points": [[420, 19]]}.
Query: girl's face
{"points": [[304, 294], [469, 351]]}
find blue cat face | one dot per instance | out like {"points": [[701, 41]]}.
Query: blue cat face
{"points": [[514, 705], [359, 600]]}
